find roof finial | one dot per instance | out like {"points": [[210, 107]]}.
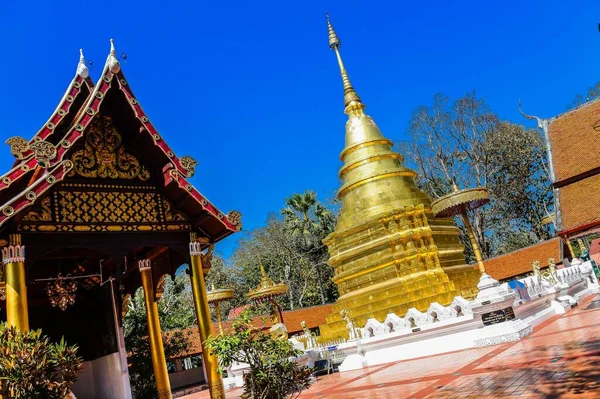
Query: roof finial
{"points": [[112, 61], [351, 98], [82, 69]]}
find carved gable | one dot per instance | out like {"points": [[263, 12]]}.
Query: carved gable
{"points": [[115, 193], [103, 155]]}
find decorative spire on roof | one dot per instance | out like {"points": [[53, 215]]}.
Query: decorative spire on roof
{"points": [[351, 98], [112, 61], [82, 69]]}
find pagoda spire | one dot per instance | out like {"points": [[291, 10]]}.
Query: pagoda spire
{"points": [[112, 62], [351, 98], [82, 69]]}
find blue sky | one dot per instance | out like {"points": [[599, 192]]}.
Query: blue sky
{"points": [[252, 91]]}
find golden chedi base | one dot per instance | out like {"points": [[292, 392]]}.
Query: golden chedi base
{"points": [[405, 259]]}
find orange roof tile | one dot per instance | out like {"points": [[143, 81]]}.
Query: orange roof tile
{"points": [[578, 205], [520, 262], [314, 316], [580, 125]]}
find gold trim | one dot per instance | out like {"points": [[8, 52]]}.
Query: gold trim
{"points": [[454, 203], [405, 173], [219, 295], [346, 169], [350, 150]]}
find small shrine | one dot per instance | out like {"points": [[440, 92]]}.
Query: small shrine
{"points": [[104, 206], [266, 292]]}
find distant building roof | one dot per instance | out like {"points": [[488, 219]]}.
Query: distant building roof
{"points": [[580, 125], [576, 167], [314, 316], [520, 262], [579, 205]]}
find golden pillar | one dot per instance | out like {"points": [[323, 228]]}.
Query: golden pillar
{"points": [[159, 362], [570, 246], [197, 274], [13, 257], [473, 240], [218, 311]]}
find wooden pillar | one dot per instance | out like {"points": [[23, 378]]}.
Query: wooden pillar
{"points": [[159, 362], [13, 257], [211, 363]]}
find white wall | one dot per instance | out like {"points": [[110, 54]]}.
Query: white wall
{"points": [[103, 378], [180, 379]]}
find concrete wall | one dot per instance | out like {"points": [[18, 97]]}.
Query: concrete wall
{"points": [[187, 377]]}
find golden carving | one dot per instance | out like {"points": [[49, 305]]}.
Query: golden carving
{"points": [[235, 218], [217, 391], [43, 152], [160, 286], [103, 155], [188, 163], [164, 394], [172, 215], [110, 208], [107, 207], [125, 305], [104, 228], [207, 258], [41, 214], [18, 145]]}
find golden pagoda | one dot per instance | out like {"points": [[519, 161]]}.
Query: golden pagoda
{"points": [[388, 251]]}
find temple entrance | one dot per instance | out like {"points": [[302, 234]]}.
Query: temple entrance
{"points": [[103, 206]]}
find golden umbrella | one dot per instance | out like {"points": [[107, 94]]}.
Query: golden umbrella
{"points": [[267, 291], [457, 203], [215, 297]]}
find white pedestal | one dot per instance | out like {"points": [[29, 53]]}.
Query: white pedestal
{"points": [[494, 307]]}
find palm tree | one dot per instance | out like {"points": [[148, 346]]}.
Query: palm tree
{"points": [[309, 221]]}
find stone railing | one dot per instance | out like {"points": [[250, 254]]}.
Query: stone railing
{"points": [[534, 287], [415, 319]]}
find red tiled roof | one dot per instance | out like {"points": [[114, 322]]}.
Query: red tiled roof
{"points": [[520, 262], [579, 206], [314, 316], [580, 125]]}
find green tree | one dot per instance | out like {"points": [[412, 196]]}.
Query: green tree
{"points": [[309, 222], [176, 312], [591, 94], [223, 275], [273, 372], [31, 367], [464, 141]]}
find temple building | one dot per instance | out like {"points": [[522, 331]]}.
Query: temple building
{"points": [[388, 251], [103, 206], [575, 176]]}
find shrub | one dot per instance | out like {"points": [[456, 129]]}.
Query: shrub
{"points": [[274, 374], [32, 367]]}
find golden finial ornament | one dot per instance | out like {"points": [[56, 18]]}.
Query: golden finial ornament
{"points": [[351, 98]]}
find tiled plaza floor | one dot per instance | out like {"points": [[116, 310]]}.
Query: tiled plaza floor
{"points": [[561, 359]]}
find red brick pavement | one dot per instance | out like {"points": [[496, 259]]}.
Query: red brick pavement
{"points": [[561, 359]]}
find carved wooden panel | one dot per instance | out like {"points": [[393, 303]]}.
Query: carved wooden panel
{"points": [[104, 207]]}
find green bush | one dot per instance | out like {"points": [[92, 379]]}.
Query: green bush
{"points": [[273, 372], [32, 367]]}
